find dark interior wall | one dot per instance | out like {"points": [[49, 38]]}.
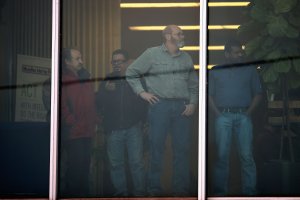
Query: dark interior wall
{"points": [[138, 41], [25, 29]]}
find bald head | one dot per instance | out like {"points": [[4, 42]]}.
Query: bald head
{"points": [[173, 37], [168, 30]]}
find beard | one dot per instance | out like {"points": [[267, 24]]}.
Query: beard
{"points": [[178, 43]]}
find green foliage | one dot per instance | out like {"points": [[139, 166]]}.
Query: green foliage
{"points": [[283, 6], [273, 28], [296, 64], [270, 75]]}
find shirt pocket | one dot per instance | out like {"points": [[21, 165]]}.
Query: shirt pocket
{"points": [[160, 68]]}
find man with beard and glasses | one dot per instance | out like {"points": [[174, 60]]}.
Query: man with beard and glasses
{"points": [[234, 93], [172, 93]]}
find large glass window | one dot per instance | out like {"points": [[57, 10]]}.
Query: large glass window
{"points": [[124, 114], [111, 136], [25, 67], [253, 99]]}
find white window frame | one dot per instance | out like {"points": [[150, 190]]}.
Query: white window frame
{"points": [[53, 175]]}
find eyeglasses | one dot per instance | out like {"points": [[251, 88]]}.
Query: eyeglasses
{"points": [[117, 62], [178, 34]]}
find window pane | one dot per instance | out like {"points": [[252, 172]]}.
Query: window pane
{"points": [[254, 99], [25, 60], [113, 143]]}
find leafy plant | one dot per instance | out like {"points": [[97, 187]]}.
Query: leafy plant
{"points": [[273, 34]]}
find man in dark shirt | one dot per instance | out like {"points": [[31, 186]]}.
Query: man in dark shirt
{"points": [[234, 92], [123, 112]]}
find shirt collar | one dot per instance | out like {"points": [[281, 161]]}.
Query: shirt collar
{"points": [[164, 48]]}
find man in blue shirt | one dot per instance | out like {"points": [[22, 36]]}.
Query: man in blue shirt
{"points": [[172, 93], [234, 92]]}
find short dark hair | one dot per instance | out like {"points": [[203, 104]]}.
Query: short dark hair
{"points": [[232, 43], [66, 54], [122, 52]]}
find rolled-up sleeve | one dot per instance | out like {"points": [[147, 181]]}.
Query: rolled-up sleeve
{"points": [[137, 69]]}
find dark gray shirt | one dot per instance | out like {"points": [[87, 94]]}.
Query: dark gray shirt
{"points": [[234, 86], [166, 76]]}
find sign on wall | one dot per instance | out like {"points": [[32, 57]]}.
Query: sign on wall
{"points": [[32, 72]]}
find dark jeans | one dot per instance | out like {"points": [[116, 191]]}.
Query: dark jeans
{"points": [[118, 142], [165, 116], [78, 167], [240, 126]]}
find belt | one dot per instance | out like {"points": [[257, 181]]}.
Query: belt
{"points": [[173, 99], [233, 109]]}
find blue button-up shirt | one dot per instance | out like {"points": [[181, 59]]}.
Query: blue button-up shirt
{"points": [[234, 86]]}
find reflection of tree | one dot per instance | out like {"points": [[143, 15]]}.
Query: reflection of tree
{"points": [[272, 32], [273, 36]]}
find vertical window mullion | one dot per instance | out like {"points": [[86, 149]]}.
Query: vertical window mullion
{"points": [[202, 100], [54, 101]]}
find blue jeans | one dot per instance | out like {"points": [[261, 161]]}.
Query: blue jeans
{"points": [[240, 125], [118, 142], [165, 116]]}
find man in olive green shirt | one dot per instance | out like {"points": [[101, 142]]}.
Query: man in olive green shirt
{"points": [[172, 92]]}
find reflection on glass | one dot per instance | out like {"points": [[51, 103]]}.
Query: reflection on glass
{"points": [[114, 142], [272, 48], [25, 63]]}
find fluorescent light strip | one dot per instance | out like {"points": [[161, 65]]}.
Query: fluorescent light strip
{"points": [[185, 5], [210, 48], [197, 48], [192, 27], [160, 28], [228, 4], [159, 5], [208, 66], [190, 48], [222, 27]]}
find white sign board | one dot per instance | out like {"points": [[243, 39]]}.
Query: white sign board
{"points": [[31, 74]]}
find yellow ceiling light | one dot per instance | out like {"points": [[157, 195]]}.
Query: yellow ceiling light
{"points": [[160, 28], [228, 4], [222, 27], [192, 27], [197, 48], [208, 66], [215, 48], [190, 48], [159, 5], [185, 4], [210, 48]]}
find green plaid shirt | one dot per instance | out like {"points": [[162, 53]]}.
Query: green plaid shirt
{"points": [[165, 75]]}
